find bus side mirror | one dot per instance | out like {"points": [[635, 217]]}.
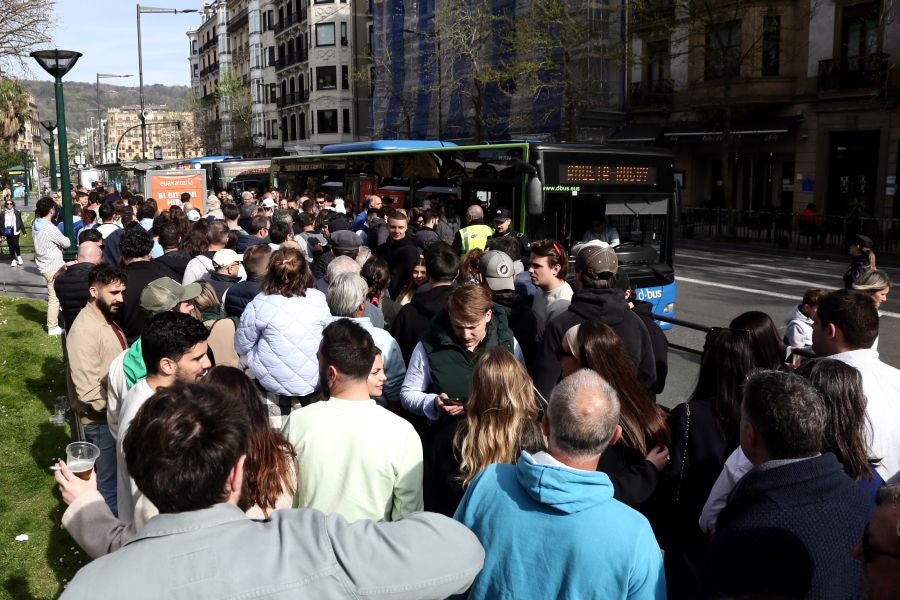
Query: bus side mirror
{"points": [[535, 195]]}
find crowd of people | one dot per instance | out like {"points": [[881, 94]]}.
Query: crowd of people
{"points": [[463, 414]]}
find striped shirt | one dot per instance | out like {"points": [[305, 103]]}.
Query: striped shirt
{"points": [[48, 247]]}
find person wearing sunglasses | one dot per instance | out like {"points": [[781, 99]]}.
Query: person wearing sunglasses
{"points": [[879, 548], [12, 229]]}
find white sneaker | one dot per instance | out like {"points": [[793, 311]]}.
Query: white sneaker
{"points": [[55, 331], [20, 260], [13, 263]]}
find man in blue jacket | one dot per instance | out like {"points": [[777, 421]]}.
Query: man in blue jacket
{"points": [[791, 522], [549, 524]]}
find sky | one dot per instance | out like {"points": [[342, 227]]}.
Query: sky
{"points": [[105, 32]]}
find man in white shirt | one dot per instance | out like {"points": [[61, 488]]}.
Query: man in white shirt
{"points": [[354, 457], [602, 232], [846, 326], [174, 348], [548, 273], [48, 246]]}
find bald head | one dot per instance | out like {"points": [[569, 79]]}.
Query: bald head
{"points": [[582, 415], [474, 212], [89, 252]]}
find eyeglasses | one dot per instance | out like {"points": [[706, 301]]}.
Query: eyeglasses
{"points": [[869, 551]]}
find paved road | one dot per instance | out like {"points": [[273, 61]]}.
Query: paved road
{"points": [[715, 285]]}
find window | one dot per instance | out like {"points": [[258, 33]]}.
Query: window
{"points": [[273, 92], [343, 33], [325, 34], [346, 117], [284, 129], [771, 45], [658, 62], [723, 51], [345, 77], [860, 30], [326, 78], [271, 62], [323, 1], [327, 121], [293, 122]]}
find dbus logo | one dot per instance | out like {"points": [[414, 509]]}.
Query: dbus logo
{"points": [[647, 295]]}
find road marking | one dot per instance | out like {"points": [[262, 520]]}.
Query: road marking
{"points": [[768, 277], [757, 266], [737, 288]]}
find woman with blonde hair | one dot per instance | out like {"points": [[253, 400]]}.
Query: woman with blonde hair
{"points": [[502, 417], [875, 283]]}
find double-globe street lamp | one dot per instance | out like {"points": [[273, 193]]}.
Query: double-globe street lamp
{"points": [[149, 10], [50, 126], [99, 115], [57, 63]]}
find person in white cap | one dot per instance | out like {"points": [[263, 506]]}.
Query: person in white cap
{"points": [[225, 273]]}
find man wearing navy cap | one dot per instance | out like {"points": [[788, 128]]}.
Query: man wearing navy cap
{"points": [[503, 228]]}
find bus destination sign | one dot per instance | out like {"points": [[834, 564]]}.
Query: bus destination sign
{"points": [[575, 173]]}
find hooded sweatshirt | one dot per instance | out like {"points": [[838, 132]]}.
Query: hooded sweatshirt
{"points": [[798, 333], [609, 307], [551, 531], [413, 319]]}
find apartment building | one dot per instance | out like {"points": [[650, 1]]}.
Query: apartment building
{"points": [[170, 133], [790, 101], [318, 68]]}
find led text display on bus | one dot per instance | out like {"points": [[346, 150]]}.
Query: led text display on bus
{"points": [[586, 173]]}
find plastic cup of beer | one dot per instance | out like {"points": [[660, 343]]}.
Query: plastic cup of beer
{"points": [[80, 458]]}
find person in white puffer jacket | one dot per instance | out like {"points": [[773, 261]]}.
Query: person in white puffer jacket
{"points": [[799, 322], [281, 328]]}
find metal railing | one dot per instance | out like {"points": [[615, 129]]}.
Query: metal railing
{"points": [[853, 72], [788, 229]]}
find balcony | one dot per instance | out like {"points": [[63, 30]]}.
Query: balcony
{"points": [[292, 99], [291, 59], [853, 73], [652, 12], [646, 94], [288, 22], [237, 20]]}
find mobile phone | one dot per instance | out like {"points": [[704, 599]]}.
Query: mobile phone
{"points": [[453, 401]]}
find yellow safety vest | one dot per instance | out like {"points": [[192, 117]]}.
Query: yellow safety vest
{"points": [[474, 237]]}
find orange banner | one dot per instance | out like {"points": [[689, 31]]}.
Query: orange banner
{"points": [[166, 188]]}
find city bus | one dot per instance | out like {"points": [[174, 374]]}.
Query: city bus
{"points": [[553, 191], [207, 163], [239, 175]]}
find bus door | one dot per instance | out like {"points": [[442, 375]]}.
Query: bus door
{"points": [[491, 195]]}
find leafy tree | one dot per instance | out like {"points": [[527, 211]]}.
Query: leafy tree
{"points": [[14, 110], [234, 98]]}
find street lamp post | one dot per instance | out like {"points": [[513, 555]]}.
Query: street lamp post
{"points": [[99, 115], [50, 126], [149, 10], [57, 63]]}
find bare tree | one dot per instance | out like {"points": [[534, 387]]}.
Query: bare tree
{"points": [[233, 94], [391, 90], [25, 26]]}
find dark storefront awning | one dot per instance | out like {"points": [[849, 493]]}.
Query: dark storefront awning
{"points": [[636, 134], [768, 129]]}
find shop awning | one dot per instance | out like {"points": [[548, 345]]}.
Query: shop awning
{"points": [[636, 134], [769, 129]]}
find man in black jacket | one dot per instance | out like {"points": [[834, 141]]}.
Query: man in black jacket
{"points": [[256, 261], [658, 339], [71, 284], [413, 320], [172, 257], [791, 522], [597, 298], [136, 247], [400, 251]]}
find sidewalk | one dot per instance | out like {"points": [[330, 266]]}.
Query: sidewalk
{"points": [[23, 281], [771, 249]]}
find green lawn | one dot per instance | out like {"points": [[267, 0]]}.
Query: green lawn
{"points": [[31, 377]]}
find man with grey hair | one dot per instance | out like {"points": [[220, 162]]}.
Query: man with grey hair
{"points": [[790, 522], [556, 504], [346, 264], [346, 297], [475, 235], [879, 547]]}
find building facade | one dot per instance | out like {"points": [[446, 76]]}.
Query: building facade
{"points": [[547, 69], [782, 102], [170, 134], [281, 76]]}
